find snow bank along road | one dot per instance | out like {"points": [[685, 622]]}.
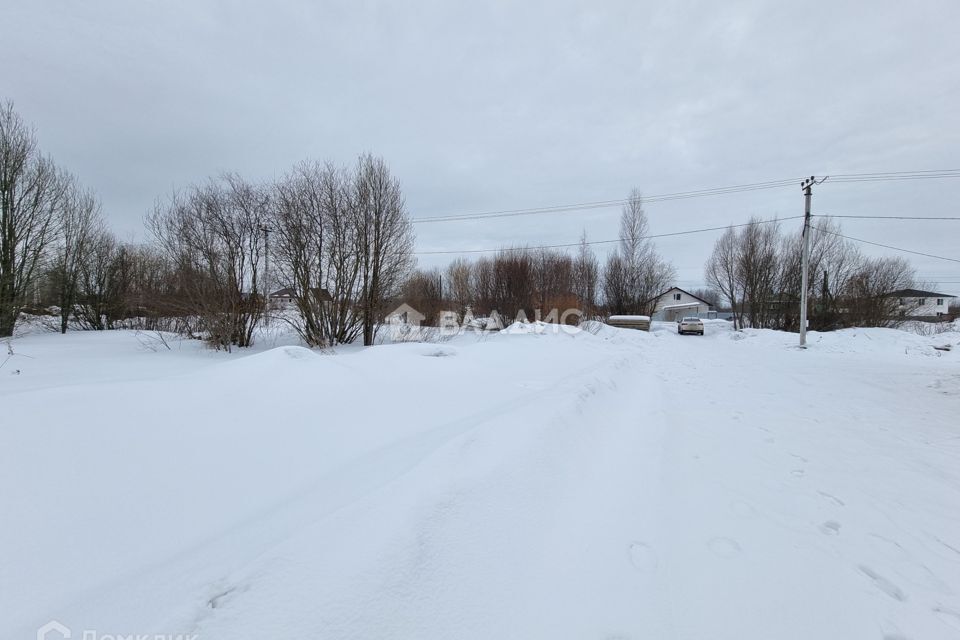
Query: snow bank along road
{"points": [[618, 485]]}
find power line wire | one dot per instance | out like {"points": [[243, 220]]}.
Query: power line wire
{"points": [[887, 246], [594, 242], [932, 174], [895, 173], [602, 204], [698, 193], [827, 215]]}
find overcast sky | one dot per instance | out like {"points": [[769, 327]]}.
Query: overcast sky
{"points": [[482, 106]]}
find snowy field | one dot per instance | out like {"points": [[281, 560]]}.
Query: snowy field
{"points": [[605, 484]]}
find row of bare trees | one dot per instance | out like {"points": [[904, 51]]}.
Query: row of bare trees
{"points": [[50, 226], [756, 270], [340, 238], [344, 243], [516, 282], [525, 282], [212, 234]]}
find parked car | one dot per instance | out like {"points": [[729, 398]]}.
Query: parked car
{"points": [[690, 325]]}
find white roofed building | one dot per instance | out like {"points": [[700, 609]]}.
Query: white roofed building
{"points": [[675, 303]]}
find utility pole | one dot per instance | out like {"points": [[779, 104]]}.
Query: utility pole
{"points": [[807, 186], [266, 274]]}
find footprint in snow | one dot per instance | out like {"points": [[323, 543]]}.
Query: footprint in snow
{"points": [[830, 528], [890, 548], [724, 547], [643, 557], [948, 616], [798, 473], [832, 498], [218, 600], [909, 568], [883, 584]]}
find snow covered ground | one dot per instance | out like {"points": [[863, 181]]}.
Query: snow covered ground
{"points": [[602, 484]]}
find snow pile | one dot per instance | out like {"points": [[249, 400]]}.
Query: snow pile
{"points": [[538, 327], [878, 342]]}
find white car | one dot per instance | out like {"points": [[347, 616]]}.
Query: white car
{"points": [[690, 325]]}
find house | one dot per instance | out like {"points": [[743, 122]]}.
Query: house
{"points": [[926, 305], [675, 303], [286, 299]]}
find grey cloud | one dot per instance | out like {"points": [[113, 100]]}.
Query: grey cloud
{"points": [[485, 106]]}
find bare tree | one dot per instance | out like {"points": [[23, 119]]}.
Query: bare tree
{"points": [[343, 260], [150, 289], [98, 270], [832, 262], [637, 271], [423, 290], [214, 235], [866, 295], [617, 293], [484, 290], [517, 283], [514, 287], [385, 239], [32, 191], [758, 270], [317, 251], [586, 276], [655, 277], [459, 285], [553, 273], [80, 222], [710, 296], [721, 273]]}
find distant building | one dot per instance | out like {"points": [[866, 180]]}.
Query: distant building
{"points": [[926, 305], [283, 299], [405, 315], [675, 303], [286, 299]]}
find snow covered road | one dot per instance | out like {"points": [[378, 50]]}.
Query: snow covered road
{"points": [[618, 485]]}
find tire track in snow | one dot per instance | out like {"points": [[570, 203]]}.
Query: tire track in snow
{"points": [[224, 558], [569, 467]]}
